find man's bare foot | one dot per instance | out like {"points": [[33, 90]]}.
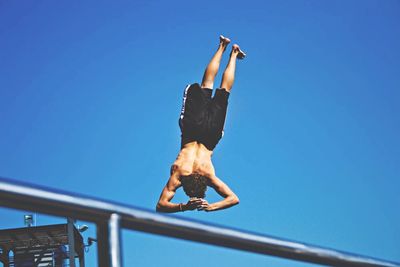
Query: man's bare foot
{"points": [[240, 53], [224, 41]]}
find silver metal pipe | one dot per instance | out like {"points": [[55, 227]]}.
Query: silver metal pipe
{"points": [[109, 242], [18, 195], [103, 244], [115, 240], [71, 242]]}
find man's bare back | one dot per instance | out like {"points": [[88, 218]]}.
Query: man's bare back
{"points": [[202, 121], [194, 157]]}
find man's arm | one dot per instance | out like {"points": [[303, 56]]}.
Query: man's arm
{"points": [[164, 203], [230, 198]]}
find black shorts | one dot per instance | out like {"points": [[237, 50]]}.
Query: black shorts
{"points": [[203, 116]]}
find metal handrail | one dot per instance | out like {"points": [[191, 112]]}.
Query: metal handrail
{"points": [[110, 217]]}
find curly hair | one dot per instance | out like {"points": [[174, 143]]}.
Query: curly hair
{"points": [[194, 185]]}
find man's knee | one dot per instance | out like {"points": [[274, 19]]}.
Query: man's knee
{"points": [[207, 84]]}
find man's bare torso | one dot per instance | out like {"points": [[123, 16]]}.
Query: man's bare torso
{"points": [[194, 157]]}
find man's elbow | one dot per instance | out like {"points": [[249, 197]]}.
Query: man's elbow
{"points": [[235, 200], [160, 207]]}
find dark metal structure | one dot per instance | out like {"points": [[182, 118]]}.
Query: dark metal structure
{"points": [[49, 245], [110, 217]]}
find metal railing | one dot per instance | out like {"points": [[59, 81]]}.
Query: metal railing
{"points": [[110, 217]]}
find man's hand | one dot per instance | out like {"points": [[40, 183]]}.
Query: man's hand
{"points": [[204, 205], [193, 203]]}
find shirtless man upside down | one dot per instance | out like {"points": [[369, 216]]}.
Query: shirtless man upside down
{"points": [[202, 123]]}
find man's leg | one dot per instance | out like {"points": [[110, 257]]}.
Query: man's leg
{"points": [[212, 68], [229, 74]]}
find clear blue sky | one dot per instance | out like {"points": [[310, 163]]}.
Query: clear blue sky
{"points": [[90, 94]]}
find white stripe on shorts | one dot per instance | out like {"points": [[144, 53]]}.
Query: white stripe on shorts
{"points": [[184, 101]]}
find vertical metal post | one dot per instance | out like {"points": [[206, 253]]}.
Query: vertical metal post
{"points": [[71, 241], [81, 261], [109, 242], [81, 255], [115, 240], [103, 248]]}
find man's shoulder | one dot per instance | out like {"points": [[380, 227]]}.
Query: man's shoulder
{"points": [[181, 169]]}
